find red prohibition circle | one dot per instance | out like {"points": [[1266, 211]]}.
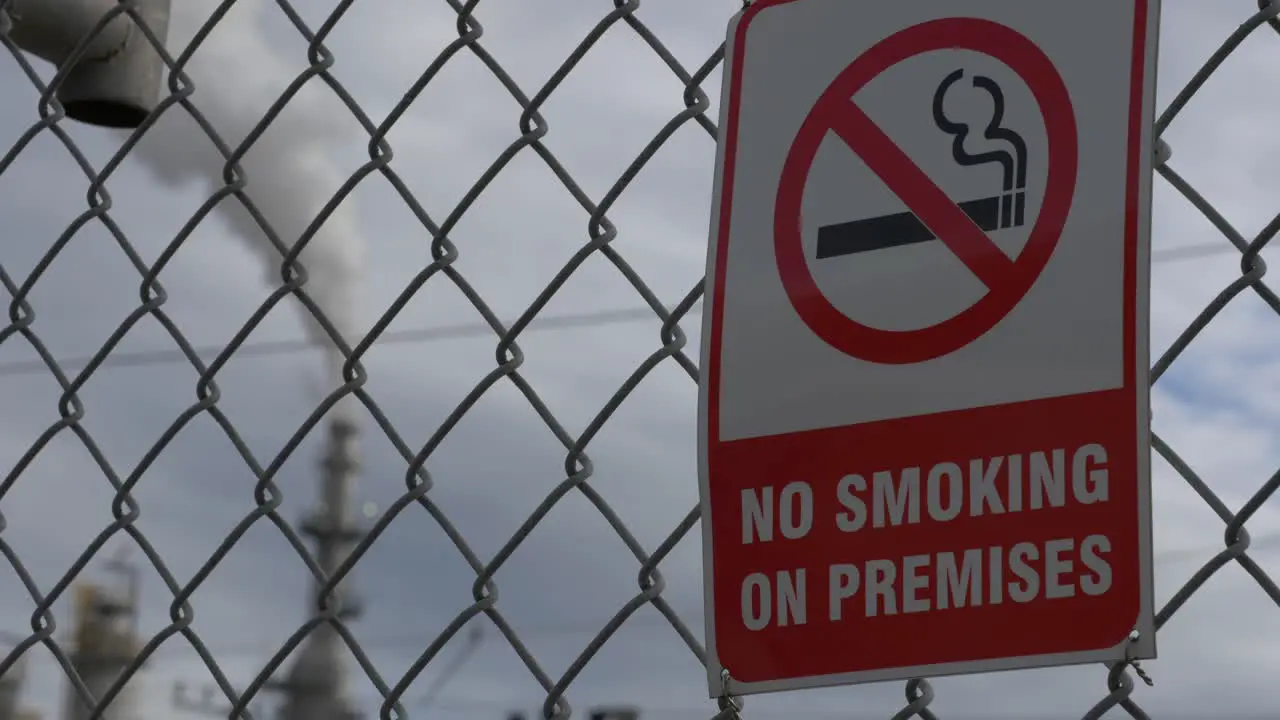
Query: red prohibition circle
{"points": [[1007, 281]]}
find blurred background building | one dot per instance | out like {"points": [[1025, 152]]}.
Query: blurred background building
{"points": [[104, 643], [11, 694], [105, 637]]}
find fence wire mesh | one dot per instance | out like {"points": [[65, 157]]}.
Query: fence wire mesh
{"points": [[181, 96]]}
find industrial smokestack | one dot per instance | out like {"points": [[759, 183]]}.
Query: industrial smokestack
{"points": [[290, 174], [316, 686]]}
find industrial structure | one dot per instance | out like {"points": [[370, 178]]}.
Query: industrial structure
{"points": [[315, 688], [11, 694], [10, 690], [105, 641]]}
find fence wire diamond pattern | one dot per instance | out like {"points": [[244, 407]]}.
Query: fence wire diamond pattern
{"points": [[625, 16]]}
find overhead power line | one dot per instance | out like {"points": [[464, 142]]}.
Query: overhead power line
{"points": [[474, 638], [142, 358], [1190, 252], [264, 348]]}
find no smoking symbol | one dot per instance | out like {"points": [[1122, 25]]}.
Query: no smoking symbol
{"points": [[1007, 281]]}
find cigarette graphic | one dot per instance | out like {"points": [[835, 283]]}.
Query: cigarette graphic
{"points": [[888, 231]]}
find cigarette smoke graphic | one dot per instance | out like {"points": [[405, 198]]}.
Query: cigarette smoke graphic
{"points": [[1014, 165], [237, 73]]}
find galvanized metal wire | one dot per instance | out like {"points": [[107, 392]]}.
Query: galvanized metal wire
{"points": [[22, 326]]}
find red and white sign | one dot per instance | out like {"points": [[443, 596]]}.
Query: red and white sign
{"points": [[924, 438]]}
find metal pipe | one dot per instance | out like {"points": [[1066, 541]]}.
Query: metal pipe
{"points": [[51, 29], [116, 80]]}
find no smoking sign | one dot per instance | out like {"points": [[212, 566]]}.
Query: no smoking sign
{"points": [[923, 427], [1006, 280]]}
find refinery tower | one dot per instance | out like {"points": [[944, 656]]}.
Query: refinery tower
{"points": [[316, 687]]}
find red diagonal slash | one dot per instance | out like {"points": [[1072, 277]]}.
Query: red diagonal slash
{"points": [[924, 198]]}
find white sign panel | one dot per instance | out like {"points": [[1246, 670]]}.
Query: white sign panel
{"points": [[924, 422]]}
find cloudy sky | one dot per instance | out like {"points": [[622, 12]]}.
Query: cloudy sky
{"points": [[573, 573]]}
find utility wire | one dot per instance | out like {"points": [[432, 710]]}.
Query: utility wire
{"points": [[143, 358], [1190, 252], [474, 639], [262, 348]]}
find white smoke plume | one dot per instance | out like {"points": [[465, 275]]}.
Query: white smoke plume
{"points": [[237, 73]]}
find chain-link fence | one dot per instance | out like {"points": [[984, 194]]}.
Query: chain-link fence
{"points": [[181, 95]]}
